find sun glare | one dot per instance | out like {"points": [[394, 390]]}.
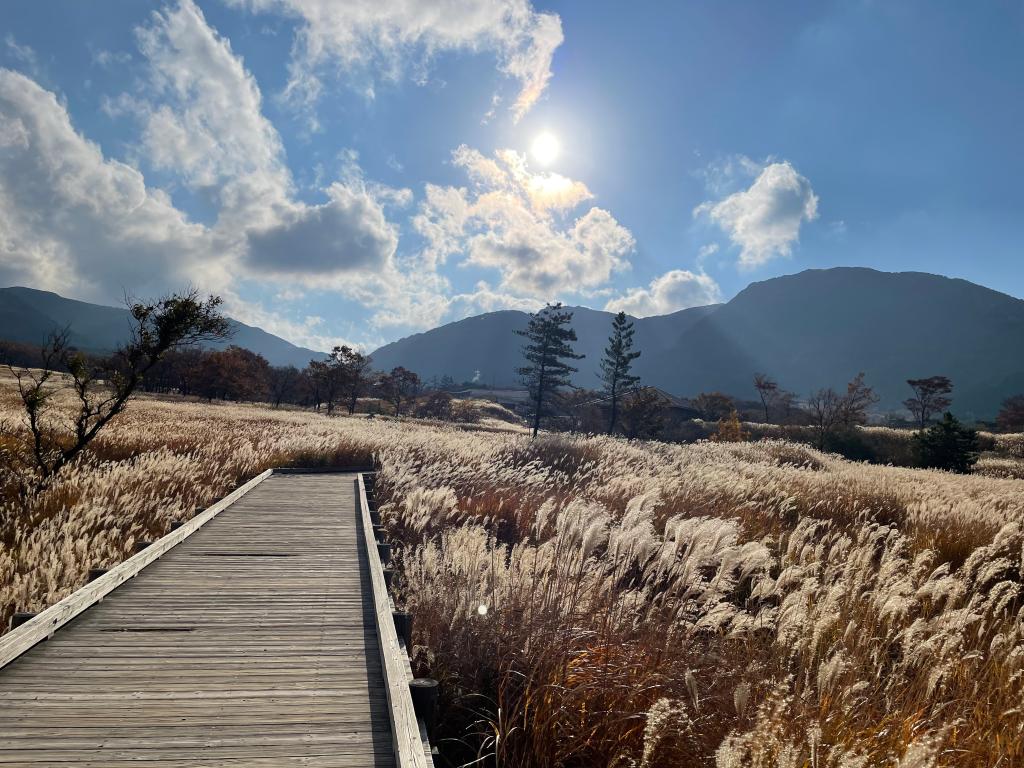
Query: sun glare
{"points": [[545, 148]]}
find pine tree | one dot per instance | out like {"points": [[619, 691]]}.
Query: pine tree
{"points": [[548, 347], [615, 367], [947, 445]]}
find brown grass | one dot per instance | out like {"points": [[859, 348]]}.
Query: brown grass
{"points": [[646, 604]]}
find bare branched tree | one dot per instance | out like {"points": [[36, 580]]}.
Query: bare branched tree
{"points": [[931, 396], [768, 389], [102, 390], [830, 411]]}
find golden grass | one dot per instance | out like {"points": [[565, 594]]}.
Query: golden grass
{"points": [[746, 604]]}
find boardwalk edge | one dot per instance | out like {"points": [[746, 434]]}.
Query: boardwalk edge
{"points": [[44, 624]]}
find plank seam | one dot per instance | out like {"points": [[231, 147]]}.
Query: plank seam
{"points": [[43, 625]]}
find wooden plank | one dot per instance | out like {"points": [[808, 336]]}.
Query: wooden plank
{"points": [[254, 642], [19, 640], [409, 747]]}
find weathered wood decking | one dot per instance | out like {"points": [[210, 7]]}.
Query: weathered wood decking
{"points": [[252, 642]]}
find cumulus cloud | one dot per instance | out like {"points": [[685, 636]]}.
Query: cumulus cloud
{"points": [[483, 298], [504, 222], [209, 129], [74, 221], [764, 220], [672, 291], [392, 36], [348, 233]]}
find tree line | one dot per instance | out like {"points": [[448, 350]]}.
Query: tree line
{"points": [[165, 353], [832, 415]]}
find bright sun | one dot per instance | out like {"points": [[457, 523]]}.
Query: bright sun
{"points": [[545, 148]]}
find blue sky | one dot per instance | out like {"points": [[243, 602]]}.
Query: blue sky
{"points": [[354, 172]]}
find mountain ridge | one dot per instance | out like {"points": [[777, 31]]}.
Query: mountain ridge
{"points": [[808, 330], [29, 315]]}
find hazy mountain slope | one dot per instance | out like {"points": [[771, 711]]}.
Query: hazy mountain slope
{"points": [[28, 316], [810, 330], [814, 329], [820, 327], [488, 344]]}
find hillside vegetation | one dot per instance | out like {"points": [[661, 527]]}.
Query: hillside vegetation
{"points": [[810, 330], [592, 601]]}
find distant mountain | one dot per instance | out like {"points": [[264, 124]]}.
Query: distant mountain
{"points": [[814, 329], [28, 316], [486, 347]]}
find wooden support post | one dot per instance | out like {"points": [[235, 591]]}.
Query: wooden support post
{"points": [[384, 552], [403, 626], [424, 693], [176, 525], [378, 532], [141, 544], [389, 575], [20, 618], [95, 573], [375, 517]]}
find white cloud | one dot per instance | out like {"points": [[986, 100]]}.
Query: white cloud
{"points": [[485, 299], [74, 221], [208, 125], [23, 53], [306, 332], [675, 290], [764, 220], [107, 59], [392, 36], [348, 233], [505, 222], [209, 129]]}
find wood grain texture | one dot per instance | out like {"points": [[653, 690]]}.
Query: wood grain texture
{"points": [[57, 615], [411, 749], [250, 641]]}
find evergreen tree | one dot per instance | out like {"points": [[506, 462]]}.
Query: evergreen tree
{"points": [[615, 367], [947, 445], [547, 348]]}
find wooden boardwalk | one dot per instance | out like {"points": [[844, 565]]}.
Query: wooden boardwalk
{"points": [[252, 642]]}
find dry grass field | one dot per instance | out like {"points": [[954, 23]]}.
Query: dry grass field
{"points": [[590, 601]]}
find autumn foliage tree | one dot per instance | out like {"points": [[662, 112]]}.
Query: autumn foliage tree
{"points": [[234, 373], [713, 406], [931, 396], [1011, 415], [730, 429], [643, 413], [283, 383], [399, 386], [343, 377]]}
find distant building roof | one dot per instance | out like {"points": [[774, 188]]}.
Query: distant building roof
{"points": [[497, 395]]}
